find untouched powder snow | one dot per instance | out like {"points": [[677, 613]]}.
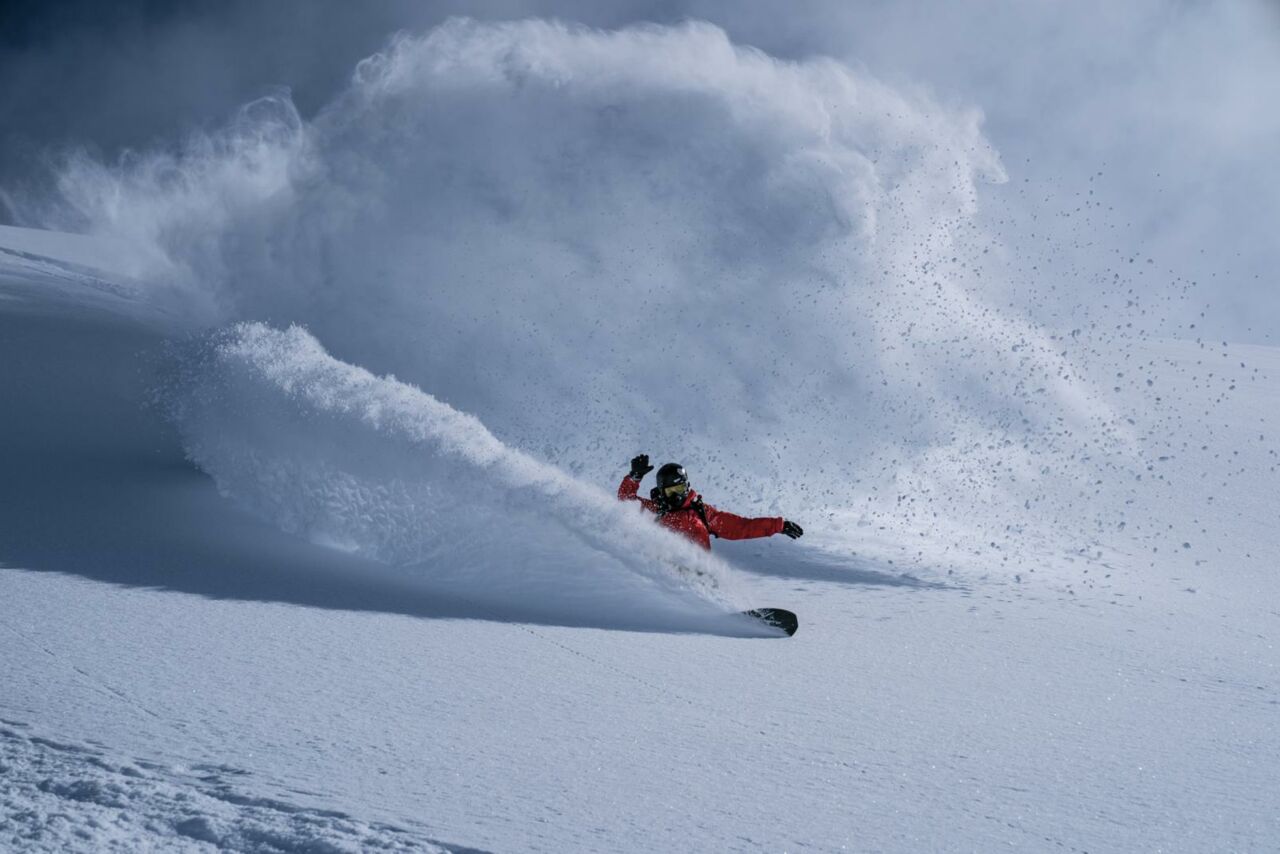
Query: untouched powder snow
{"points": [[307, 529]]}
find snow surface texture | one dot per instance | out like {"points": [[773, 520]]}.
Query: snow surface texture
{"points": [[417, 337], [66, 797]]}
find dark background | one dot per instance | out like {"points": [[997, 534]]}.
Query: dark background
{"points": [[1162, 111]]}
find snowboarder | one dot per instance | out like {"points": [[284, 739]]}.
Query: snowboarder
{"points": [[683, 510]]}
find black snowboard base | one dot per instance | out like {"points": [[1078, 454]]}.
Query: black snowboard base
{"points": [[779, 618]]}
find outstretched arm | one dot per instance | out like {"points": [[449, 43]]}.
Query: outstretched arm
{"points": [[631, 483], [731, 526]]}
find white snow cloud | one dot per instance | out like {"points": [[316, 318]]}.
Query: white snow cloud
{"points": [[648, 239]]}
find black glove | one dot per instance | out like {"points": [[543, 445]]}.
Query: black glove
{"points": [[640, 467], [791, 529]]}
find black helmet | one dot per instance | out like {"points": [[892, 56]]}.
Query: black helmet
{"points": [[672, 474], [673, 486]]}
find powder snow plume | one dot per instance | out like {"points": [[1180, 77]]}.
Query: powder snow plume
{"points": [[376, 467], [599, 243]]}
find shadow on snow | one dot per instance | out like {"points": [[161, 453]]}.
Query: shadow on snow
{"points": [[93, 483], [784, 560]]}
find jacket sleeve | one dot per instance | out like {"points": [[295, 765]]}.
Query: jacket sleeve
{"points": [[732, 527], [627, 492]]}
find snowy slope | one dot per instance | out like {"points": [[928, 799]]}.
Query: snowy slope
{"points": [[64, 797], [307, 537], [217, 680]]}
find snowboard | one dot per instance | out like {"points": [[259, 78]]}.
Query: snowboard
{"points": [[779, 618]]}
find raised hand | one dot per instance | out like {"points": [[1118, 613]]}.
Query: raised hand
{"points": [[640, 467], [791, 529]]}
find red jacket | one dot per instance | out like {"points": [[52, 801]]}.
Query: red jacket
{"points": [[688, 521]]}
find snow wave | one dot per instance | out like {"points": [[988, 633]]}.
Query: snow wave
{"points": [[650, 239], [374, 466]]}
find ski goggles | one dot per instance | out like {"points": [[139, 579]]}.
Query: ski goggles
{"points": [[675, 489]]}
